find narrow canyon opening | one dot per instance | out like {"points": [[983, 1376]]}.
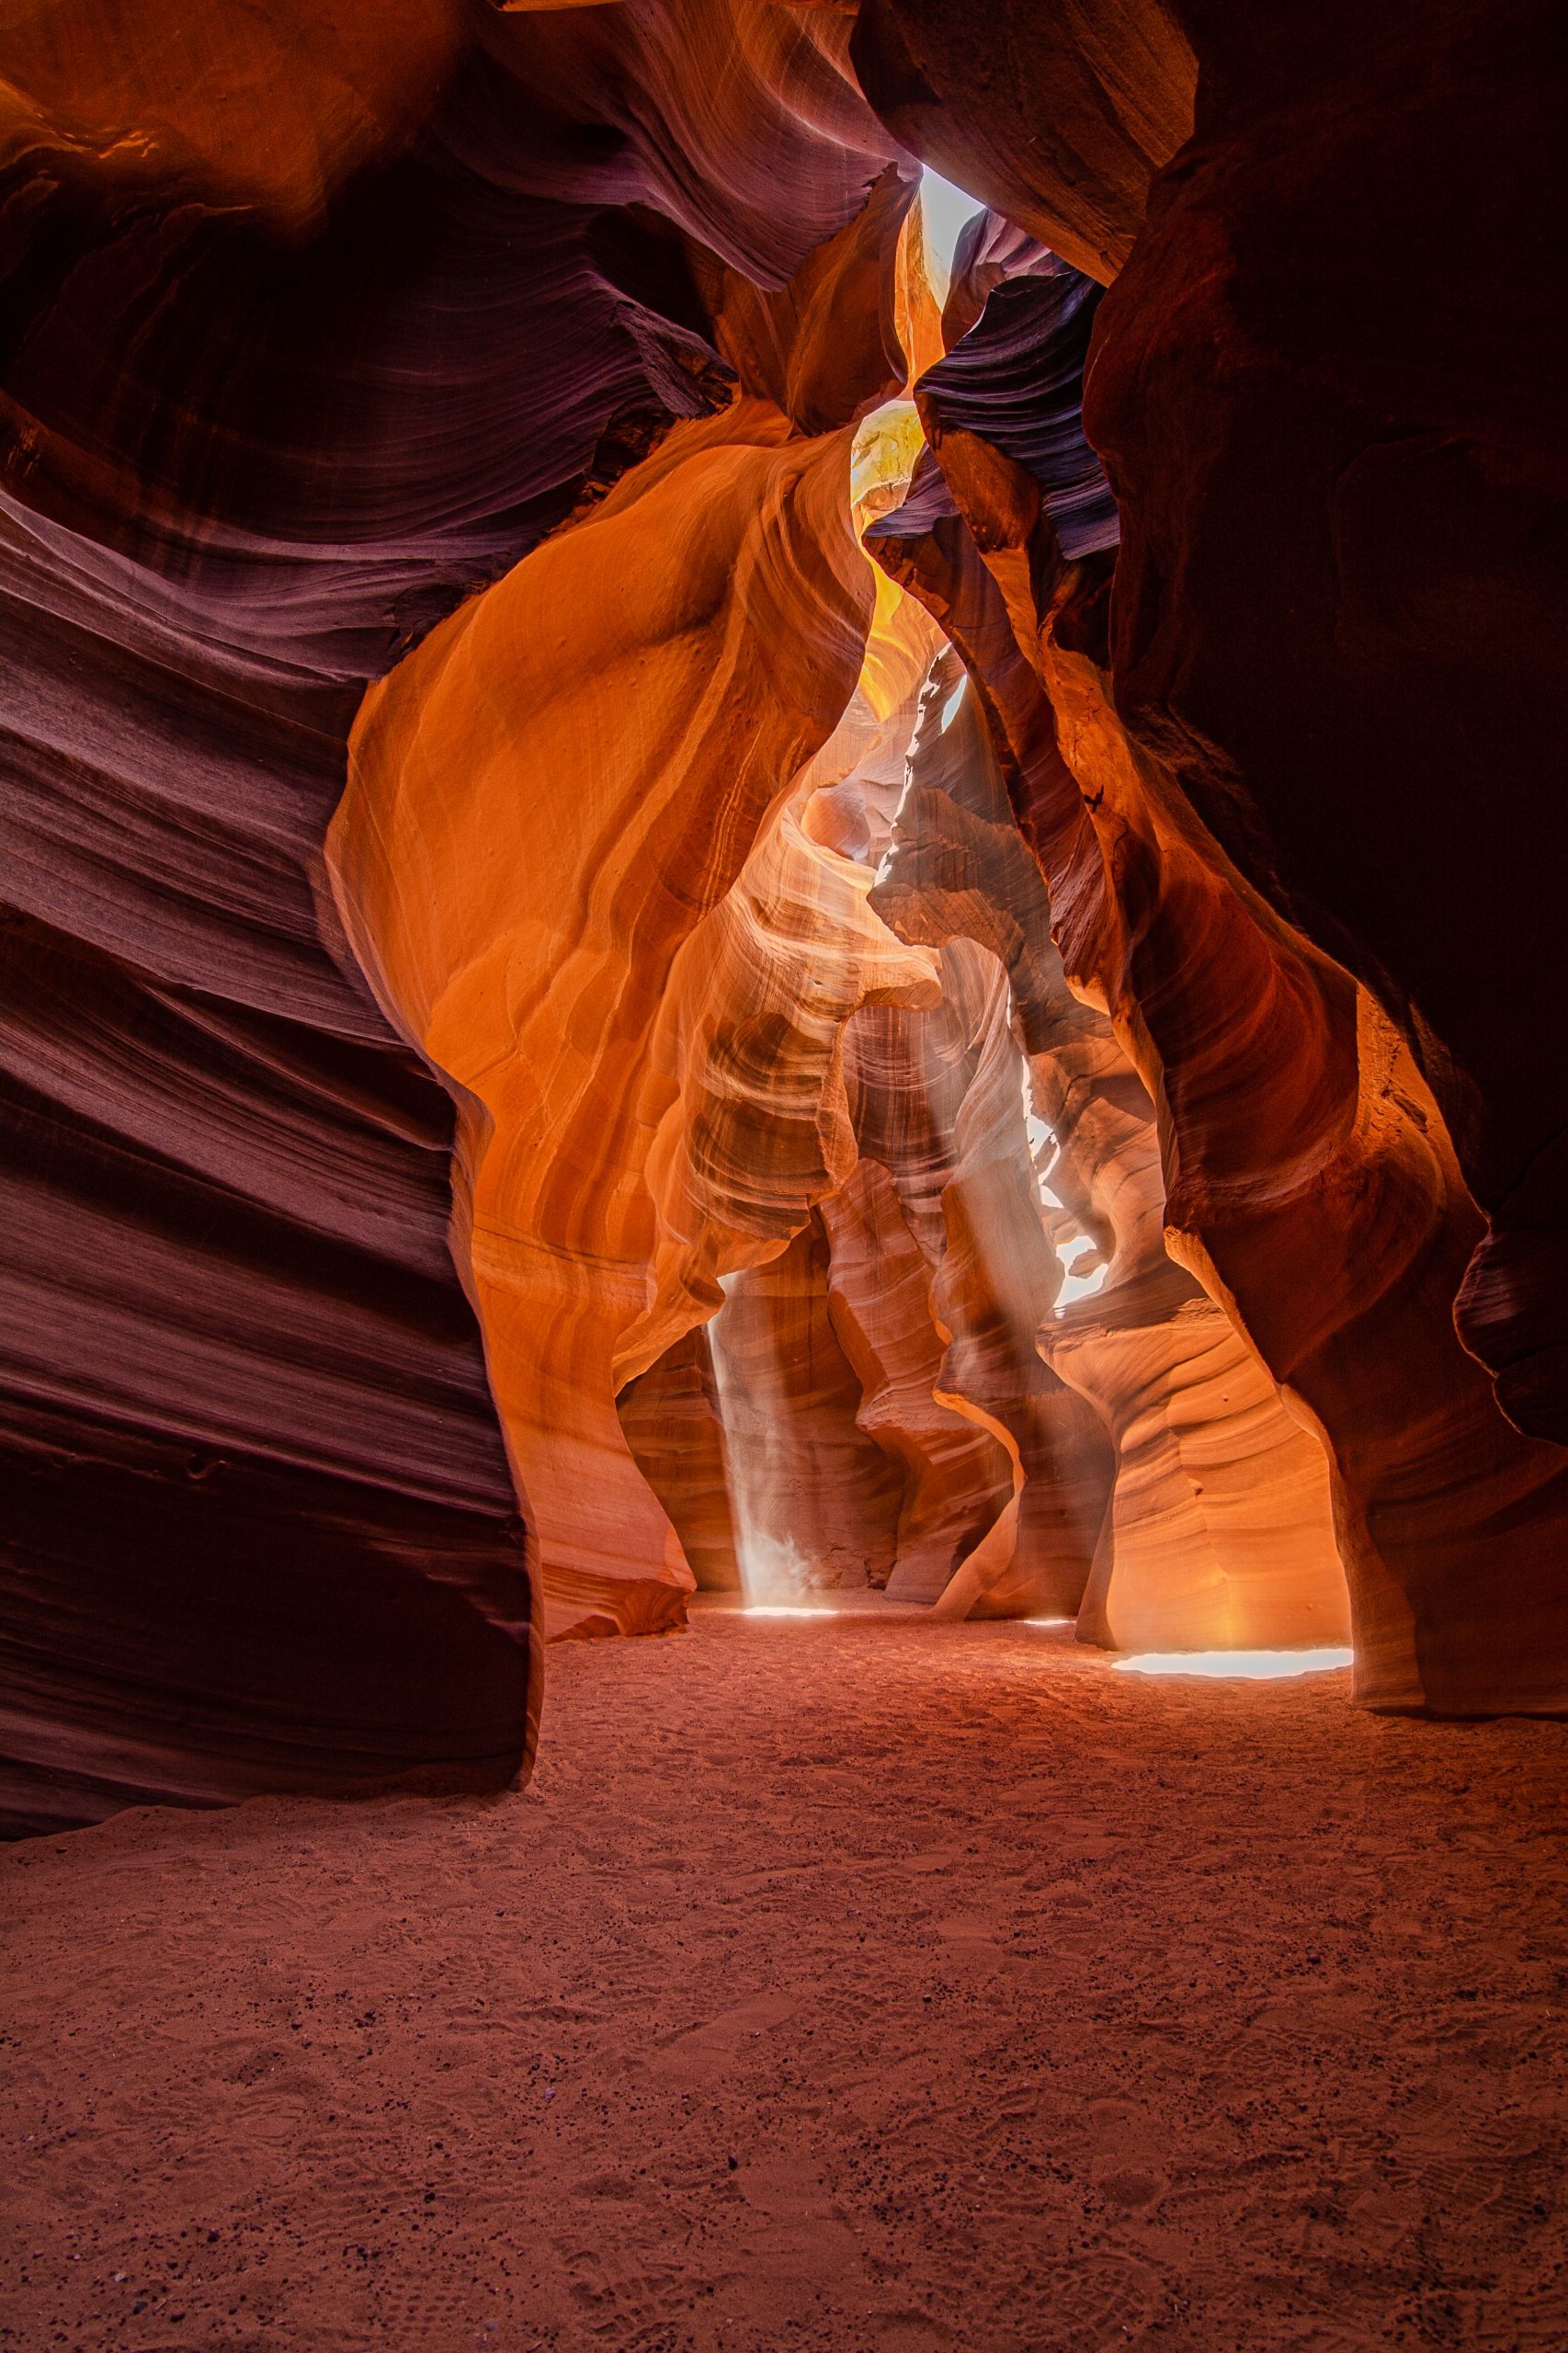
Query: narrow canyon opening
{"points": [[812, 1193]]}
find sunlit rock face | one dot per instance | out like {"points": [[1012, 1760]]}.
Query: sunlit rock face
{"points": [[1219, 1527], [605, 775], [882, 1400], [1331, 340], [1311, 1184], [958, 1478], [938, 1107], [674, 1427], [1126, 1456], [622, 944]]}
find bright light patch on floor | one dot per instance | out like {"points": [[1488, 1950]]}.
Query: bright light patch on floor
{"points": [[1049, 1621], [1268, 1665], [785, 1609]]}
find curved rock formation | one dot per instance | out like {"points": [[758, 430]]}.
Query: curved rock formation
{"points": [[794, 1036], [617, 713], [938, 1102], [267, 108], [1321, 389], [1363, 380], [1057, 117], [272, 291], [674, 1428], [506, 362], [958, 1478], [1309, 1180], [1219, 1532]]}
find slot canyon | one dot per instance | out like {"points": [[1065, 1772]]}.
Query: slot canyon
{"points": [[785, 1552]]}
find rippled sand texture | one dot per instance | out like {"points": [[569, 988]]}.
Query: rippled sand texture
{"points": [[867, 1982]]}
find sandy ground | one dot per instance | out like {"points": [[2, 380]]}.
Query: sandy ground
{"points": [[862, 1984]]}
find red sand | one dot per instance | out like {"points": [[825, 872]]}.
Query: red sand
{"points": [[863, 1983]]}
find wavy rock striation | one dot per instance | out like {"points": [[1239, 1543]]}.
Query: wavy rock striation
{"points": [[271, 300], [1337, 339], [958, 1477], [938, 1103], [1219, 1532], [1310, 1182], [494, 374], [600, 722], [591, 771], [1056, 117], [673, 1423], [1320, 389]]}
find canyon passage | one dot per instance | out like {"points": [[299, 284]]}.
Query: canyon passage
{"points": [[783, 1536]]}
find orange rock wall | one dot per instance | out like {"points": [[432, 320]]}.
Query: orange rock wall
{"points": [[957, 1479], [545, 801], [1219, 1530], [1058, 116], [1309, 1181], [671, 1419], [1325, 391], [508, 363], [1322, 1202], [318, 322]]}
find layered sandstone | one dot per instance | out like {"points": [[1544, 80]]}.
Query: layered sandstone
{"points": [[674, 1427], [1218, 1531], [513, 357], [1318, 390], [601, 722], [1337, 339], [1057, 117], [274, 287], [1309, 1181], [958, 1477]]}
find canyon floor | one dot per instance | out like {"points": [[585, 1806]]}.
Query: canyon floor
{"points": [[858, 1982]]}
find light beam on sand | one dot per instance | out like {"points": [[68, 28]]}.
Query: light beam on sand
{"points": [[1266, 1666], [785, 1609]]}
